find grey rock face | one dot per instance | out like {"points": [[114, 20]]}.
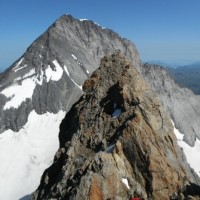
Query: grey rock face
{"points": [[182, 105], [77, 47], [116, 142]]}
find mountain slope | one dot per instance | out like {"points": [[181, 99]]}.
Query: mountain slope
{"points": [[183, 107], [60, 60], [26, 154], [45, 81], [116, 142]]}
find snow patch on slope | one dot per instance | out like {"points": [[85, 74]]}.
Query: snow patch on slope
{"points": [[74, 57], [125, 181], [79, 86], [117, 112], [20, 68], [19, 93], [26, 154], [54, 75], [17, 65], [31, 73], [93, 22], [83, 20], [192, 153], [66, 70]]}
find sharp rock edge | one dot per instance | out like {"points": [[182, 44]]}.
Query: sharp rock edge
{"points": [[133, 154]]}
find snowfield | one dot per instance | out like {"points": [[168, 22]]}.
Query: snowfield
{"points": [[56, 74], [192, 153], [26, 154], [19, 92]]}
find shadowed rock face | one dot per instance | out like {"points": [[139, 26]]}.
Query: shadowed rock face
{"points": [[116, 142]]}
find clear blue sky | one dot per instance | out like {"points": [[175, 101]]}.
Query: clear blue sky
{"points": [[164, 30]]}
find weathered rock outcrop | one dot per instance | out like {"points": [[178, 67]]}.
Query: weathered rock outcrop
{"points": [[116, 142]]}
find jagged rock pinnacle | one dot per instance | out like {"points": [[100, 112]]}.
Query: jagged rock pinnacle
{"points": [[116, 142]]}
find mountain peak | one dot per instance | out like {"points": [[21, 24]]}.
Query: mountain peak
{"points": [[46, 80], [116, 141]]}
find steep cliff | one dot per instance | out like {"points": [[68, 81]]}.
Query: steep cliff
{"points": [[182, 105], [116, 142]]}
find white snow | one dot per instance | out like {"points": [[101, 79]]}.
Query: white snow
{"points": [[68, 61], [20, 68], [87, 71], [117, 112], [110, 148], [93, 22], [80, 86], [192, 153], [66, 70], [19, 93], [18, 63], [32, 72], [26, 154], [75, 58], [125, 181], [83, 20], [54, 75], [97, 24], [39, 78], [65, 67]]}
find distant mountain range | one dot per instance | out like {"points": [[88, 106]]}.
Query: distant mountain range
{"points": [[171, 64], [187, 76]]}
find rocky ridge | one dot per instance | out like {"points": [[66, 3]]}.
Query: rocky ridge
{"points": [[116, 142]]}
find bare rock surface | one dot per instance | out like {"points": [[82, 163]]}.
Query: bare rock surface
{"points": [[181, 103], [116, 142]]}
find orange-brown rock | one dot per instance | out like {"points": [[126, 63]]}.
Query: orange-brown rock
{"points": [[116, 142]]}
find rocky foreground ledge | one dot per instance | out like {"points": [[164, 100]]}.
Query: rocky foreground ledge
{"points": [[116, 142]]}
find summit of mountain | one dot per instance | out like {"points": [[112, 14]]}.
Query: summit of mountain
{"points": [[116, 142], [37, 91], [69, 50]]}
